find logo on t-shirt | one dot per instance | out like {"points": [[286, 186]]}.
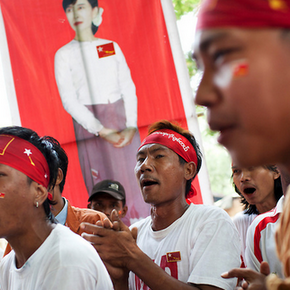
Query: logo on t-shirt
{"points": [[173, 257]]}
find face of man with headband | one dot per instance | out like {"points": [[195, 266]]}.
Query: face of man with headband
{"points": [[159, 172], [244, 55], [19, 159]]}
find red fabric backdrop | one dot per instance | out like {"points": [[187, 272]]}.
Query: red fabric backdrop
{"points": [[37, 29]]}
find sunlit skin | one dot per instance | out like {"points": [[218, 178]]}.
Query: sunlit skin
{"points": [[162, 180], [252, 111], [256, 184], [106, 203], [20, 219]]}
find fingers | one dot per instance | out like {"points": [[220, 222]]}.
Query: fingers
{"points": [[121, 144], [112, 137], [134, 233], [231, 274], [107, 224], [127, 137], [93, 229], [240, 273], [245, 285], [252, 280], [264, 268], [112, 140], [118, 225], [100, 223], [90, 238]]}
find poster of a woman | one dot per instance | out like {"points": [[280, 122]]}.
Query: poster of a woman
{"points": [[97, 90], [132, 36]]}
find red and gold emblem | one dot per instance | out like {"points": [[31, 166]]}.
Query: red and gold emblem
{"points": [[173, 257], [106, 50]]}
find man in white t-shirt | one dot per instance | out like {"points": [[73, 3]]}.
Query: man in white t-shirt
{"points": [[181, 245], [44, 255], [260, 242]]}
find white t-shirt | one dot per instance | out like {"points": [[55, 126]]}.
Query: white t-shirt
{"points": [[242, 222], [197, 248], [84, 78], [261, 245], [64, 261]]}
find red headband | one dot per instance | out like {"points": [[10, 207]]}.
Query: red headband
{"points": [[177, 143], [25, 157], [244, 13]]}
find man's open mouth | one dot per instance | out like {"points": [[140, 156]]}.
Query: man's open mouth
{"points": [[249, 190]]}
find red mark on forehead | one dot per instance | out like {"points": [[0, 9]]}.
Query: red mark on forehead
{"points": [[2, 195]]}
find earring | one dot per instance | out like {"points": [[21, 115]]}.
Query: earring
{"points": [[36, 204]]}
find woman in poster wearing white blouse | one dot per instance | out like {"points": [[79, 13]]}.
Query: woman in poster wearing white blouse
{"points": [[97, 90]]}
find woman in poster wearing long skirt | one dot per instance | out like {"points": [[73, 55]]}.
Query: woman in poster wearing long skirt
{"points": [[97, 90]]}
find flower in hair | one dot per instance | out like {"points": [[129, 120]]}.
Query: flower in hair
{"points": [[98, 19]]}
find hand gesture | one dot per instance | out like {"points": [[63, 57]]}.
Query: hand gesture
{"points": [[252, 280], [126, 137]]}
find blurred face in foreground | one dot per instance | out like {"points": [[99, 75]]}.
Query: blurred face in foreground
{"points": [[246, 89]]}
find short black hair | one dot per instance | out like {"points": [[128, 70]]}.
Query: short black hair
{"points": [[62, 159], [165, 124], [45, 148]]}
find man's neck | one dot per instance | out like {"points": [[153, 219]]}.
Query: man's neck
{"points": [[266, 206], [28, 243], [56, 208], [164, 215]]}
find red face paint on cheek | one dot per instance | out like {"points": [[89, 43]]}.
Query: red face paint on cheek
{"points": [[119, 212], [2, 195], [240, 69]]}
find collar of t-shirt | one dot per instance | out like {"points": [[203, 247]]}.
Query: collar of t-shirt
{"points": [[61, 217]]}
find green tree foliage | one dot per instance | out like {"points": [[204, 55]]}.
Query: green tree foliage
{"points": [[217, 158], [182, 7]]}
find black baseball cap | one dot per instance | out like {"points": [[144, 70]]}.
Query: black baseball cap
{"points": [[113, 188]]}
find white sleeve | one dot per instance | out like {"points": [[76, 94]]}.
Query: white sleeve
{"points": [[128, 89], [68, 95], [251, 260], [216, 250]]}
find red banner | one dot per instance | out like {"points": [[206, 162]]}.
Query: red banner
{"points": [[43, 63]]}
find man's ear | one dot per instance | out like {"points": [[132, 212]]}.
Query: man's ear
{"points": [[276, 174], [59, 177], [189, 170], [124, 211], [41, 193]]}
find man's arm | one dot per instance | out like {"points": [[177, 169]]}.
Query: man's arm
{"points": [[119, 251]]}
